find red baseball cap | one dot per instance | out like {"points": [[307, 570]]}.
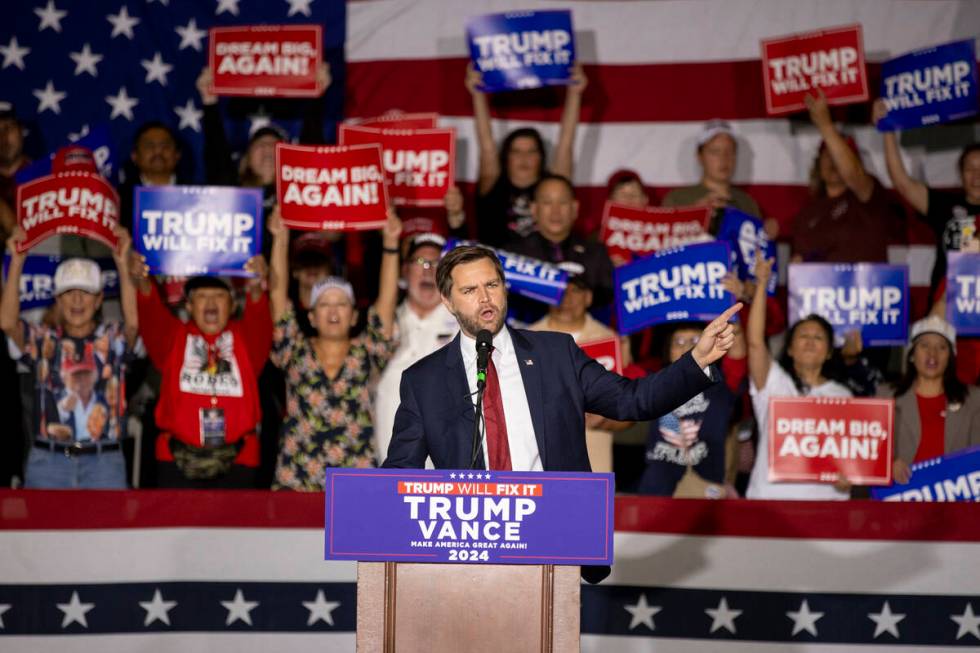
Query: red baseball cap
{"points": [[72, 158]]}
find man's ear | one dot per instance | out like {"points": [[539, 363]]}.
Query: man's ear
{"points": [[448, 304]]}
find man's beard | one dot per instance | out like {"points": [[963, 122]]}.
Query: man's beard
{"points": [[474, 326]]}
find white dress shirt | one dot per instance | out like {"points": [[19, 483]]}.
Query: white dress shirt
{"points": [[417, 338], [524, 454]]}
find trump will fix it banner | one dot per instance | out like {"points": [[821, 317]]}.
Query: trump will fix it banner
{"points": [[418, 163], [821, 439], [829, 59], [79, 203]]}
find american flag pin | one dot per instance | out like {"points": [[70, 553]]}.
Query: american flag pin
{"points": [[528, 361]]}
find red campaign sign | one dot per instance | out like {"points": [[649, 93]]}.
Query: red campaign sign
{"points": [[606, 352], [398, 120], [335, 188], [831, 59], [419, 163], [80, 203], [822, 439], [629, 232], [266, 60]]}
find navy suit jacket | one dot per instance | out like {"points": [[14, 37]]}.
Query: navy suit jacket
{"points": [[436, 414]]}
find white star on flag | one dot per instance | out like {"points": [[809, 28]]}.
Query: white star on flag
{"points": [[886, 621], [968, 622], [156, 69], [157, 608], [239, 608], [642, 613], [299, 7], [50, 17], [453, 475], [122, 104], [3, 608], [81, 133], [85, 61], [320, 608], [122, 23], [49, 98], [723, 616], [13, 53], [191, 36], [75, 611], [803, 619], [190, 116], [231, 6]]}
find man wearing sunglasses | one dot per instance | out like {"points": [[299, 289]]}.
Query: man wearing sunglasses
{"points": [[424, 325]]}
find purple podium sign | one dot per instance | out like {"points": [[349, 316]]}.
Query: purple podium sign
{"points": [[445, 516]]}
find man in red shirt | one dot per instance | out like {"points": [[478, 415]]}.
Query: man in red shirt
{"points": [[208, 410]]}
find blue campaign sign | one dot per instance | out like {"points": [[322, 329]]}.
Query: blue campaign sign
{"points": [[37, 279], [953, 477], [745, 234], [533, 278], [930, 86], [872, 298], [673, 285], [98, 140], [477, 516], [521, 50], [197, 230], [963, 292]]}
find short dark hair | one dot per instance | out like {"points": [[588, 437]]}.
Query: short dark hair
{"points": [[562, 179], [459, 256], [967, 151], [155, 124]]}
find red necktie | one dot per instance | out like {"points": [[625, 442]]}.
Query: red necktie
{"points": [[493, 416]]}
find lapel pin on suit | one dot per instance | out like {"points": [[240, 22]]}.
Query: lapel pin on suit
{"points": [[528, 361]]}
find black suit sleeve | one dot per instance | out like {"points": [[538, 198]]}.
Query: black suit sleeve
{"points": [[616, 397], [408, 448]]}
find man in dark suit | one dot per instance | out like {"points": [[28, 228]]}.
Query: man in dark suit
{"points": [[539, 385]]}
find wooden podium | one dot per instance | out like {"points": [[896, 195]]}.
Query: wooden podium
{"points": [[435, 608]]}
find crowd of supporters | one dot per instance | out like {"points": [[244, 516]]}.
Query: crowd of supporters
{"points": [[268, 383]]}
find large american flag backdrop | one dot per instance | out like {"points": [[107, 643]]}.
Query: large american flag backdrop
{"points": [[657, 70], [70, 66], [162, 571]]}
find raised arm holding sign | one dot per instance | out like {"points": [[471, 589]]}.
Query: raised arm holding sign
{"points": [[805, 368]]}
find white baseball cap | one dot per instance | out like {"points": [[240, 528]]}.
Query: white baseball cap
{"points": [[934, 324], [330, 283], [712, 128], [78, 274]]}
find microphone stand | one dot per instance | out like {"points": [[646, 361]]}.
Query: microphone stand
{"points": [[481, 385]]}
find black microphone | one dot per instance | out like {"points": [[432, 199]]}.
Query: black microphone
{"points": [[484, 343]]}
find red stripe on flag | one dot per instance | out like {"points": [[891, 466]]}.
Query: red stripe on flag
{"points": [[675, 92], [858, 520]]}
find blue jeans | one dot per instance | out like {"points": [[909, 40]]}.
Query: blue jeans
{"points": [[54, 470]]}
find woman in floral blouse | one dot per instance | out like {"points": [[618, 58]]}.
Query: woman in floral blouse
{"points": [[328, 418]]}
